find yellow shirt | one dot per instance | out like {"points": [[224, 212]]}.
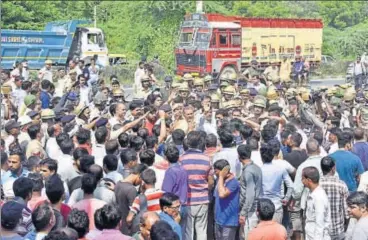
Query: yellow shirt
{"points": [[285, 70]]}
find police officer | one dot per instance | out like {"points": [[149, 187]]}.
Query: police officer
{"points": [[228, 93], [99, 102], [82, 113], [348, 110], [215, 102], [362, 117], [117, 96], [184, 90], [145, 91], [207, 81], [198, 85], [252, 70], [188, 78], [165, 91], [259, 106]]}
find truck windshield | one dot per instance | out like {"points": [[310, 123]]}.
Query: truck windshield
{"points": [[96, 39], [186, 38], [202, 39]]}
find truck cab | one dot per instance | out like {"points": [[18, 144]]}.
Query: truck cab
{"points": [[208, 47], [92, 42]]}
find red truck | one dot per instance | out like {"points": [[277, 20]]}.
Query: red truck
{"points": [[217, 44]]}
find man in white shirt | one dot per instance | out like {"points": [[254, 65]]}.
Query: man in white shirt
{"points": [[119, 116], [52, 148], [228, 152], [313, 160], [94, 70], [272, 72], [84, 91], [332, 138], [65, 168], [46, 72], [318, 217], [137, 77], [359, 70], [256, 154], [98, 149], [17, 94], [25, 70], [255, 83]]}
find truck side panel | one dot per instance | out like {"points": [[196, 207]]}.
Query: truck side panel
{"points": [[54, 43], [273, 44], [33, 46]]}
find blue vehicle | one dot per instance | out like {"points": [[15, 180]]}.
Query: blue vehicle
{"points": [[59, 42]]}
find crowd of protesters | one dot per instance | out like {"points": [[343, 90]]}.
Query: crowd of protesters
{"points": [[239, 156]]}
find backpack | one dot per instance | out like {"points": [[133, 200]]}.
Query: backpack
{"points": [[143, 209]]}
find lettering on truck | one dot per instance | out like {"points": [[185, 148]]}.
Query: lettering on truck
{"points": [[25, 40]]}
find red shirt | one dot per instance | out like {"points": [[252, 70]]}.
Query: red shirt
{"points": [[65, 210], [149, 127]]}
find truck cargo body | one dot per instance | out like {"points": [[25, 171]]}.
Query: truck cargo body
{"points": [[213, 43], [59, 42]]}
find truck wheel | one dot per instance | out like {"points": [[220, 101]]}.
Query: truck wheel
{"points": [[227, 71]]}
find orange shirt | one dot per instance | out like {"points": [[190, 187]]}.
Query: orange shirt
{"points": [[268, 230]]}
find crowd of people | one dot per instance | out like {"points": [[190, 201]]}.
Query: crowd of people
{"points": [[252, 156]]}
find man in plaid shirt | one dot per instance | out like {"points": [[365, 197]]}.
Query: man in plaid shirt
{"points": [[337, 193]]}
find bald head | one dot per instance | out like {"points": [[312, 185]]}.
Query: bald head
{"points": [[149, 218], [312, 146], [359, 134], [97, 171]]}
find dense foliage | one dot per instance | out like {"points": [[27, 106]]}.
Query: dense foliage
{"points": [[151, 27]]}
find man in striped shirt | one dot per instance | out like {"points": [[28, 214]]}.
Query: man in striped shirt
{"points": [[200, 179], [337, 193], [151, 196]]}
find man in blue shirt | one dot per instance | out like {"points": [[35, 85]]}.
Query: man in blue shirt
{"points": [[16, 170], [176, 177], [348, 165], [273, 177], [360, 147], [226, 195], [45, 96], [170, 207]]}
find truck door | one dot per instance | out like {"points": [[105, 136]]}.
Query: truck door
{"points": [[93, 43]]}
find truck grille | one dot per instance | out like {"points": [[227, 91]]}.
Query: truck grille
{"points": [[190, 60]]}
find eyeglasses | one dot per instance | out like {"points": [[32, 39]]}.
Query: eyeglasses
{"points": [[175, 208]]}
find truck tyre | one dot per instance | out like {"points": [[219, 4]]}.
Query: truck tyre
{"points": [[227, 70]]}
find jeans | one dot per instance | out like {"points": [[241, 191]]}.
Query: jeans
{"points": [[195, 221], [225, 233], [358, 80]]}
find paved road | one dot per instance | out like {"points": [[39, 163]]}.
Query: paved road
{"points": [[314, 84], [326, 82]]}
